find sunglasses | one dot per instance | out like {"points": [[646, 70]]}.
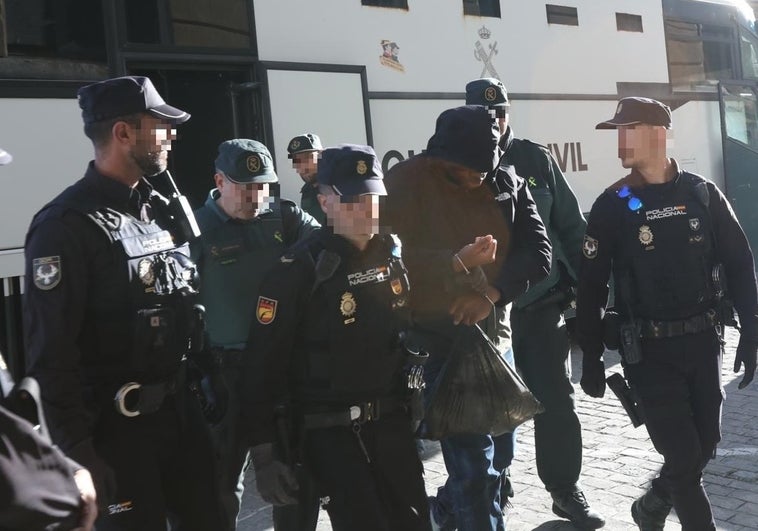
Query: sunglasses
{"points": [[633, 202]]}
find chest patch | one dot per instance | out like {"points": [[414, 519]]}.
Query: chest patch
{"points": [[348, 306], [646, 235], [47, 272], [375, 275], [695, 224], [266, 310], [666, 212], [589, 247]]}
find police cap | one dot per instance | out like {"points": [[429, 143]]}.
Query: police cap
{"points": [[5, 157], [304, 143], [631, 111], [467, 136], [246, 161], [125, 95], [486, 91], [351, 169]]}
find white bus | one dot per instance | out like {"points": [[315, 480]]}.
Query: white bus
{"points": [[376, 72]]}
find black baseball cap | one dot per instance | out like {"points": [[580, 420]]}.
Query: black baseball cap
{"points": [[5, 157], [634, 110], [486, 91], [468, 136], [246, 161], [125, 95], [351, 169], [304, 143]]}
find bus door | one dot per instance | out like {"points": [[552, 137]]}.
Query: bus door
{"points": [[738, 102]]}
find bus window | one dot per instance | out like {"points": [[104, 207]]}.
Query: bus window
{"points": [[699, 55], [741, 114], [189, 23], [749, 55]]}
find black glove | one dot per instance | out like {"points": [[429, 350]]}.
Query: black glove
{"points": [[593, 376], [216, 397], [747, 351], [276, 481]]}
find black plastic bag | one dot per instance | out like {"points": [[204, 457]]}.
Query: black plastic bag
{"points": [[477, 391]]}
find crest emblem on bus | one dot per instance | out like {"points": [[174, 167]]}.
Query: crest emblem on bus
{"points": [[253, 163], [486, 56]]}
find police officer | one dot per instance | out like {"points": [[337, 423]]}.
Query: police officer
{"points": [[540, 343], [305, 150], [329, 320], [110, 309], [244, 232], [39, 486], [666, 235], [485, 223]]}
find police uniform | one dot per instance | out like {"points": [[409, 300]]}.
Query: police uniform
{"points": [[329, 320], [109, 311], [308, 143], [233, 255], [662, 242], [503, 207]]}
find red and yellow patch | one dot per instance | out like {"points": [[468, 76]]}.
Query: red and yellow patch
{"points": [[266, 310]]}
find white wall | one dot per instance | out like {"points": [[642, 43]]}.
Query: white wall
{"points": [[49, 151], [437, 43]]}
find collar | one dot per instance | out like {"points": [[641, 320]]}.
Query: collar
{"points": [[344, 247], [213, 206], [116, 194], [506, 140], [308, 189]]}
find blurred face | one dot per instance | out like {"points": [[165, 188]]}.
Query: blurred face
{"points": [[466, 177], [501, 115], [152, 142], [351, 215], [305, 165], [640, 144], [241, 201]]}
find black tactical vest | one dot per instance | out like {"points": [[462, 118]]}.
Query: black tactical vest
{"points": [[666, 252], [162, 291], [363, 307]]}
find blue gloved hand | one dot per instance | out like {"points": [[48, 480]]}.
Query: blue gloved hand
{"points": [[747, 352]]}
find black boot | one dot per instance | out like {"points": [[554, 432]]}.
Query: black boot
{"points": [[574, 507], [649, 512]]}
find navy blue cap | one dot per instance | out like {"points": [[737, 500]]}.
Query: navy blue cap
{"points": [[304, 143], [351, 169], [246, 161], [632, 111], [467, 136], [486, 91], [125, 95], [5, 157]]}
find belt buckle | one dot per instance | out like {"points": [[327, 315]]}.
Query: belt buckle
{"points": [[121, 396]]}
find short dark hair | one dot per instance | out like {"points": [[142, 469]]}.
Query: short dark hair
{"points": [[100, 132]]}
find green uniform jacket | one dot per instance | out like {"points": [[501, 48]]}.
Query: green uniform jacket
{"points": [[556, 204], [309, 203]]}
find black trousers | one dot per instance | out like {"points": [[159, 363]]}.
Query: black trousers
{"points": [[164, 469], [380, 488], [679, 386], [541, 349]]}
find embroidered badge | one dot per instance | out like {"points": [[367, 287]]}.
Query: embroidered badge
{"points": [[646, 235], [532, 182], [266, 310], [145, 271], [589, 247], [47, 272], [253, 163], [278, 237], [695, 224], [121, 507], [490, 94], [348, 307], [397, 286], [361, 167], [294, 144]]}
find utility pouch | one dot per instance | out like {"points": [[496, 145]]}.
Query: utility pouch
{"points": [[629, 342], [626, 396]]}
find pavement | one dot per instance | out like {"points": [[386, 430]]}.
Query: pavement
{"points": [[619, 462]]}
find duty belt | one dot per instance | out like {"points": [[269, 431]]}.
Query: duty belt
{"points": [[133, 398], [350, 414], [692, 325]]}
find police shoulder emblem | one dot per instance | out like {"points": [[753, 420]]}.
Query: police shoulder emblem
{"points": [[47, 272], [490, 94], [397, 286], [646, 235], [253, 163], [589, 247], [348, 306], [294, 144], [266, 310], [695, 224]]}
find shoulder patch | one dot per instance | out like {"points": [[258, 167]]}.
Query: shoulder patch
{"points": [[589, 247], [266, 310], [47, 272]]}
